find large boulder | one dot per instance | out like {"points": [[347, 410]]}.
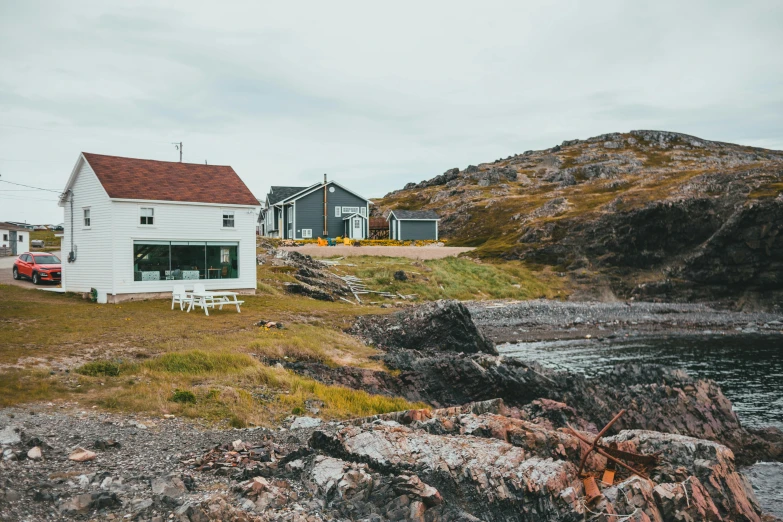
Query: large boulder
{"points": [[440, 326]]}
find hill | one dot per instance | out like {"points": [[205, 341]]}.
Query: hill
{"points": [[648, 214]]}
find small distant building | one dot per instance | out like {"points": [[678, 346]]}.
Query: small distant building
{"points": [[14, 240], [325, 209], [413, 224]]}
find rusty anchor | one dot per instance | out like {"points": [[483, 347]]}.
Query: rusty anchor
{"points": [[612, 454]]}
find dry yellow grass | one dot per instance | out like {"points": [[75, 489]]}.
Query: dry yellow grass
{"points": [[133, 356]]}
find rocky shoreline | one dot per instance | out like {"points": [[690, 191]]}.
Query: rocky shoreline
{"points": [[542, 319], [498, 444]]}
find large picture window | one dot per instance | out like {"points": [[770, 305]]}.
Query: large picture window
{"points": [[185, 260]]}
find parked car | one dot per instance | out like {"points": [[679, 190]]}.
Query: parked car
{"points": [[39, 267]]}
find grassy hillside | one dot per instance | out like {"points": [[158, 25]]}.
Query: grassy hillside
{"points": [[608, 205]]}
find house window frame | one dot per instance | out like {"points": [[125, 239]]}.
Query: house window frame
{"points": [[86, 218], [307, 233], [142, 217], [232, 215], [338, 212], [290, 215], [363, 211], [350, 210]]}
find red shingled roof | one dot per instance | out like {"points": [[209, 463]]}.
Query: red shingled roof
{"points": [[129, 178]]}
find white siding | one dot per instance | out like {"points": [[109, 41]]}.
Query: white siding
{"points": [[181, 222], [93, 246], [22, 245]]}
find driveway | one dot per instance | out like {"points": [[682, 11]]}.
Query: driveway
{"points": [[411, 252], [7, 276]]}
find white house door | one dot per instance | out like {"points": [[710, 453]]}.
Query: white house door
{"points": [[356, 228]]}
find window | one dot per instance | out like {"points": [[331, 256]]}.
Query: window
{"points": [[290, 215], [357, 223], [147, 216], [86, 217], [5, 237], [350, 210], [185, 260], [20, 237], [307, 233], [337, 212], [228, 219], [363, 211]]}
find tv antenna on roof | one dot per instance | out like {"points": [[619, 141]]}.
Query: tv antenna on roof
{"points": [[178, 146]]}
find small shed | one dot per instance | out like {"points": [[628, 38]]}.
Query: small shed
{"points": [[413, 224]]}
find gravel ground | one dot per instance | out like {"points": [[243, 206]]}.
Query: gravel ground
{"points": [[411, 252], [119, 482], [550, 320]]}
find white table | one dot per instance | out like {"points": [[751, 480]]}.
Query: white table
{"points": [[211, 299]]}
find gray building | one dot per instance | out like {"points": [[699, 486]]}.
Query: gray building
{"points": [[413, 224], [322, 210]]}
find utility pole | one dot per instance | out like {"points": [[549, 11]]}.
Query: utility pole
{"points": [[178, 146]]}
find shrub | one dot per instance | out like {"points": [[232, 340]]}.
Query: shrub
{"points": [[97, 368], [183, 396]]}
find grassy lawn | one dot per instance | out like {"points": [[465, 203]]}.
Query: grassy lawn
{"points": [[143, 357], [51, 242], [454, 278]]}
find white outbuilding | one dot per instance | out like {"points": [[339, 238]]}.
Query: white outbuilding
{"points": [[134, 228], [14, 240]]}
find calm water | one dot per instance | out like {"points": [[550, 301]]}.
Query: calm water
{"points": [[748, 368]]}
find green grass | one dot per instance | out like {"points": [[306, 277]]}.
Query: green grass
{"points": [[96, 368], [150, 354], [50, 242], [454, 278], [199, 362]]}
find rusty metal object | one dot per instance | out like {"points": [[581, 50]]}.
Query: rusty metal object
{"points": [[595, 445], [608, 478], [591, 488]]}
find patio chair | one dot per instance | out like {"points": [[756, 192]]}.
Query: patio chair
{"points": [[322, 242], [179, 295]]}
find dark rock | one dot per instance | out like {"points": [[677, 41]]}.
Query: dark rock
{"points": [[400, 275], [438, 326]]}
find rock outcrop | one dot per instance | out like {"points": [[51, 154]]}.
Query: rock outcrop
{"points": [[439, 326], [702, 217]]}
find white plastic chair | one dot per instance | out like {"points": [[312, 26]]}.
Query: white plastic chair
{"points": [[179, 295]]}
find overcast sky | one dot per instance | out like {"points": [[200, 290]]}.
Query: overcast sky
{"points": [[376, 94]]}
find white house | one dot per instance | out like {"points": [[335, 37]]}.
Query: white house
{"points": [[14, 239], [134, 228]]}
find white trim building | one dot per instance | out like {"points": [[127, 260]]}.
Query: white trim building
{"points": [[135, 228], [325, 209], [407, 225], [14, 240]]}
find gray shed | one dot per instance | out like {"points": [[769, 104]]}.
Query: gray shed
{"points": [[413, 224]]}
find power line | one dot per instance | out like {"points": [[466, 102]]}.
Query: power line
{"points": [[30, 186], [28, 199]]}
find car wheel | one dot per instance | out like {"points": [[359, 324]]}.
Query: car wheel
{"points": [[16, 273], [36, 278]]}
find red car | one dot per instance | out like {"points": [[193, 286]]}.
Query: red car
{"points": [[39, 267]]}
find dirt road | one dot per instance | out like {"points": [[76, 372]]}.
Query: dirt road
{"points": [[410, 252]]}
